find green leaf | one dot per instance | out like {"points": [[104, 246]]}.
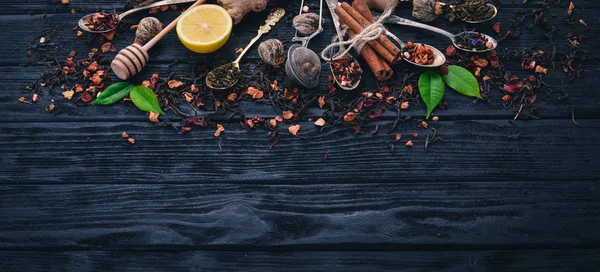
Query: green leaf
{"points": [[431, 87], [461, 80], [113, 93], [145, 99]]}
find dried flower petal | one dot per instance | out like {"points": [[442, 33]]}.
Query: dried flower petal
{"points": [[278, 119], [93, 67], [541, 70], [435, 119], [22, 99], [294, 129], [320, 122], [321, 101], [275, 85], [249, 123], [153, 117], [194, 88], [255, 93], [497, 27], [287, 115], [232, 97], [108, 47], [273, 123], [404, 105], [398, 137], [131, 140], [124, 135], [174, 84], [349, 117], [68, 94], [51, 107], [220, 129], [409, 144]]}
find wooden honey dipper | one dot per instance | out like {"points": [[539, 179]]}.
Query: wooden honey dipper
{"points": [[132, 59]]}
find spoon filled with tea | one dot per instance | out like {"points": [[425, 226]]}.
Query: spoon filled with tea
{"points": [[469, 11], [227, 75], [470, 41]]}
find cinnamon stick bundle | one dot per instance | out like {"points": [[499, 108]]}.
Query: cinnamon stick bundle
{"points": [[364, 22], [347, 19], [379, 66], [362, 7]]}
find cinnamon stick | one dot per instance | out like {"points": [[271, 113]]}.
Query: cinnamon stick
{"points": [[389, 45], [379, 66], [347, 19]]}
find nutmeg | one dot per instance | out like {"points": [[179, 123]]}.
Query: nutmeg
{"points": [[306, 23], [272, 52], [147, 29]]}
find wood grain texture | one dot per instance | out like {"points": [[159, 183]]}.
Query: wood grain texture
{"points": [[75, 196], [94, 152], [499, 260], [365, 216]]}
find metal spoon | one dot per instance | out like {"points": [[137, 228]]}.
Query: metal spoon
{"points": [[274, 17], [332, 4], [88, 18], [292, 69], [452, 7], [393, 19]]}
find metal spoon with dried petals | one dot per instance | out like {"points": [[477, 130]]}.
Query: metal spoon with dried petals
{"points": [[85, 20], [332, 4], [227, 75]]}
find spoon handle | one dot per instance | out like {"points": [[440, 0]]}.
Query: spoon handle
{"points": [[154, 5], [169, 27], [393, 19], [274, 17]]}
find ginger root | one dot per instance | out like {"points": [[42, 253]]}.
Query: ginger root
{"points": [[381, 4], [239, 8]]}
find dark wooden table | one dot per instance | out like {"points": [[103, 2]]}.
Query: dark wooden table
{"points": [[492, 196]]}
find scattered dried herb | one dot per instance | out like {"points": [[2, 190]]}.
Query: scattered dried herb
{"points": [[473, 41], [102, 21]]}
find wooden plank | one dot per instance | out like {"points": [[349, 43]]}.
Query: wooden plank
{"points": [[498, 260], [170, 48], [362, 216], [94, 152]]}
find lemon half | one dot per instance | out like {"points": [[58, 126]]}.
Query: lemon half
{"points": [[205, 28]]}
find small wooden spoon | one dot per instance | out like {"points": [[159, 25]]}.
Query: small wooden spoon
{"points": [[132, 59]]}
